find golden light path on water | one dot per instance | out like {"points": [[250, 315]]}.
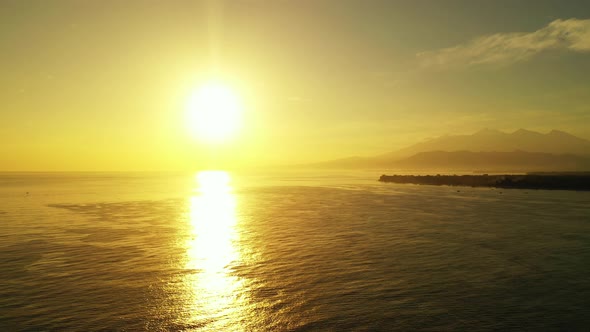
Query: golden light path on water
{"points": [[215, 298]]}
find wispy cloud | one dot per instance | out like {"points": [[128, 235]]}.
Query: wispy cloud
{"points": [[508, 48]]}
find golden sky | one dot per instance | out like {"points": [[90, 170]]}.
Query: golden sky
{"points": [[104, 85]]}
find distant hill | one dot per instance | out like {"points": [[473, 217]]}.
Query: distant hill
{"points": [[486, 150], [517, 161], [556, 142]]}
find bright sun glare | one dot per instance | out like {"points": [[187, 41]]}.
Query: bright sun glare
{"points": [[214, 112]]}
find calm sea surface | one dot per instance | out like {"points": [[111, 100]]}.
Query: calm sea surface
{"points": [[235, 252]]}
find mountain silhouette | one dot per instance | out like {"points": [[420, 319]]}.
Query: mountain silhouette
{"points": [[487, 149], [515, 161], [488, 140]]}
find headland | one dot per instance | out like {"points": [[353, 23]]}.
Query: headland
{"points": [[550, 181]]}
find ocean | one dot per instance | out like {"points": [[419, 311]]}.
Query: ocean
{"points": [[219, 251]]}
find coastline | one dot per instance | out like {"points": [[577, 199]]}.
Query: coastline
{"points": [[507, 181]]}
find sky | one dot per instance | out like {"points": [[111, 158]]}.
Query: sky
{"points": [[103, 85]]}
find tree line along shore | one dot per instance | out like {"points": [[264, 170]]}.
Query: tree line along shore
{"points": [[526, 181]]}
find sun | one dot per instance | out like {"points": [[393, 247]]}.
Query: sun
{"points": [[214, 112]]}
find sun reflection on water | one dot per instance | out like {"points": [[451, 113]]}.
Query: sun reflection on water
{"points": [[215, 294]]}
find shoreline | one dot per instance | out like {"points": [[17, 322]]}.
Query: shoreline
{"points": [[506, 181]]}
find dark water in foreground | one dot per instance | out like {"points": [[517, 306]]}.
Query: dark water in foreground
{"points": [[167, 252]]}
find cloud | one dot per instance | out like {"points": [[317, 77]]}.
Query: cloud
{"points": [[508, 48]]}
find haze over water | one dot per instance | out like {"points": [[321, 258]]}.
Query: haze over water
{"points": [[217, 251]]}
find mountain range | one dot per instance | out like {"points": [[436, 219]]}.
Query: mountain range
{"points": [[485, 150]]}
